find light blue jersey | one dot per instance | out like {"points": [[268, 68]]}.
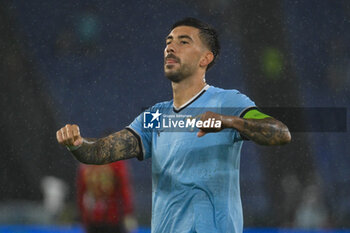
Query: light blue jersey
{"points": [[195, 181]]}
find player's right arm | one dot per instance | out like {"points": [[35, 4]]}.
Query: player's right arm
{"points": [[117, 146]]}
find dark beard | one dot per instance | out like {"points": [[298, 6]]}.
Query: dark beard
{"points": [[178, 75], [175, 77]]}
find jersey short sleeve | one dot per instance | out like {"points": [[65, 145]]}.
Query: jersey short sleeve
{"points": [[144, 136], [237, 104]]}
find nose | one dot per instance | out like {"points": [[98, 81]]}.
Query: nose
{"points": [[170, 48]]}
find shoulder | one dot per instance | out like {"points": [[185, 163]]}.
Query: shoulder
{"points": [[231, 99], [226, 93], [119, 165], [161, 105]]}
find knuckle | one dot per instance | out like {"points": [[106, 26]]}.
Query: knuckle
{"points": [[76, 127]]}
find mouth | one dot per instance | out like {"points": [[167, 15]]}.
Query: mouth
{"points": [[171, 59]]}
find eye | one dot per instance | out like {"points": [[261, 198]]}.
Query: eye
{"points": [[184, 42], [167, 42]]}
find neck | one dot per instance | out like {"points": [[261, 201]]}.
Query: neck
{"points": [[186, 89]]}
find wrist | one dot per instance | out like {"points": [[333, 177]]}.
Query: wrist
{"points": [[74, 148], [228, 121]]}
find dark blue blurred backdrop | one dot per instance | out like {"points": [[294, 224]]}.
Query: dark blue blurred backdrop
{"points": [[99, 64]]}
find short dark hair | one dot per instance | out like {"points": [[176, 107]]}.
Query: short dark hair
{"points": [[207, 34]]}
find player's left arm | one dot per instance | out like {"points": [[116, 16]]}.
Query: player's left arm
{"points": [[256, 126]]}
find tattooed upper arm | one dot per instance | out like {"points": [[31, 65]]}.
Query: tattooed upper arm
{"points": [[117, 146]]}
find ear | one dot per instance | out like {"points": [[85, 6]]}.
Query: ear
{"points": [[207, 58]]}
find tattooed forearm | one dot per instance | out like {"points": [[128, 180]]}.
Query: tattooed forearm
{"points": [[117, 146], [268, 131]]}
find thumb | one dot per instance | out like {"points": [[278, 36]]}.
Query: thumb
{"points": [[78, 141], [201, 133]]}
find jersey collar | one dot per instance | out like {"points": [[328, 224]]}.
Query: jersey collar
{"points": [[194, 98]]}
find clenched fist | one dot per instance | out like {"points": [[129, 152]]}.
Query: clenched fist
{"points": [[69, 136], [214, 123]]}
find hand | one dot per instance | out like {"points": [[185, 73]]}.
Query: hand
{"points": [[210, 115], [69, 135], [130, 223]]}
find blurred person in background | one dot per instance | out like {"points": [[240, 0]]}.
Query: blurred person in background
{"points": [[312, 212], [55, 191], [105, 198]]}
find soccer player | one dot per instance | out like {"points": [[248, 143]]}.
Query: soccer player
{"points": [[195, 175], [105, 198]]}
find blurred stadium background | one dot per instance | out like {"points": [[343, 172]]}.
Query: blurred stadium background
{"points": [[99, 64]]}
